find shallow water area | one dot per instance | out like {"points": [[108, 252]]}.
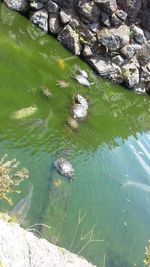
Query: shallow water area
{"points": [[104, 213]]}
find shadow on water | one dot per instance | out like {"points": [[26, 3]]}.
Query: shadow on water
{"points": [[110, 148]]}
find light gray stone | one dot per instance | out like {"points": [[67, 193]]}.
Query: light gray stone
{"points": [[87, 52], [69, 38], [115, 38], [40, 18], [19, 5], [138, 34], [131, 75], [106, 69], [65, 16]]}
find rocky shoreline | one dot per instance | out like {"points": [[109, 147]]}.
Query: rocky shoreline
{"points": [[113, 36]]}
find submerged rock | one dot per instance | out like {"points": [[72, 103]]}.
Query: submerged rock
{"points": [[40, 18], [19, 5], [72, 123], [80, 107], [64, 167]]}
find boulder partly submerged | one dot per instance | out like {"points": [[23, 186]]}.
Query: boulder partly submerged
{"points": [[64, 167]]}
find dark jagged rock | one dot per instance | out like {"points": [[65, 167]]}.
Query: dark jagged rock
{"points": [[109, 6], [131, 7], [52, 7]]}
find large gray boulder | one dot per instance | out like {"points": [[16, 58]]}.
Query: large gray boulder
{"points": [[115, 38], [79, 108], [20, 248], [40, 18], [109, 6], [70, 38], [19, 5]]}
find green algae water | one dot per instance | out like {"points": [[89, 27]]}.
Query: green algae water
{"points": [[104, 213]]}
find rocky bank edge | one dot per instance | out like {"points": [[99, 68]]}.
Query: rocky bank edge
{"points": [[20, 248], [113, 36]]}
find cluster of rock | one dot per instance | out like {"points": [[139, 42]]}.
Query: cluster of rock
{"points": [[111, 35]]}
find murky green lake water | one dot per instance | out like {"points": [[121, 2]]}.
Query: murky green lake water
{"points": [[110, 198]]}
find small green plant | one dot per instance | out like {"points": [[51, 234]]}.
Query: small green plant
{"points": [[10, 177], [125, 73], [147, 255]]}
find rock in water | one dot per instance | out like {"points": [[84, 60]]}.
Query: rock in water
{"points": [[83, 80], [64, 167], [23, 113]]}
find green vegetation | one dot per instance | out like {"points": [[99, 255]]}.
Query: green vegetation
{"points": [[10, 177], [147, 255]]}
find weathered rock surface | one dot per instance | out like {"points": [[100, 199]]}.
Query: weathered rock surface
{"points": [[70, 39], [19, 5], [20, 248], [40, 18], [114, 38]]}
